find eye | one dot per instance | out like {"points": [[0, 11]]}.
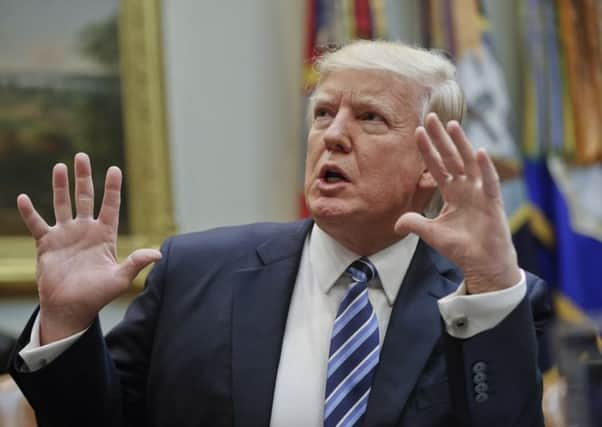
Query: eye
{"points": [[371, 116], [321, 113]]}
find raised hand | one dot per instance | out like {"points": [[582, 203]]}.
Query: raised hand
{"points": [[77, 268], [471, 230]]}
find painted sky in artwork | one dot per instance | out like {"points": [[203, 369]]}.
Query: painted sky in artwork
{"points": [[41, 35]]}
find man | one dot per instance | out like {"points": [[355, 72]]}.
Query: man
{"points": [[260, 325]]}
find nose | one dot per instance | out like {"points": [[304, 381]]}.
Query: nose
{"points": [[337, 136]]}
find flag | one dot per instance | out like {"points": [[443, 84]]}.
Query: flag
{"points": [[462, 28], [563, 147]]}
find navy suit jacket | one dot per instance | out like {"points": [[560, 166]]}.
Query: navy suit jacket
{"points": [[200, 346]]}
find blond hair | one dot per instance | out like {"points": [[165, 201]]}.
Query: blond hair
{"points": [[430, 71]]}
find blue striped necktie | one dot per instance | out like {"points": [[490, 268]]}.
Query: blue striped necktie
{"points": [[354, 352]]}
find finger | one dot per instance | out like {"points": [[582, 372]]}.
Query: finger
{"points": [[448, 152], [413, 222], [33, 221], [137, 261], [84, 187], [109, 211], [431, 157], [491, 181], [60, 191], [467, 152]]}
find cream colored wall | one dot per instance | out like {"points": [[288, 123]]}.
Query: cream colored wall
{"points": [[233, 72]]}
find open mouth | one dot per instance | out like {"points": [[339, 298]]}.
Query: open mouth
{"points": [[332, 174]]}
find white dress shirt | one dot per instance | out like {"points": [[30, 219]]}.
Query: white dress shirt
{"points": [[319, 289]]}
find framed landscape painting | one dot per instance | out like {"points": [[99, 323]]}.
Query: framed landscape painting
{"points": [[81, 75]]}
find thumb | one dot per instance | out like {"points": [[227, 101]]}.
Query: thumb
{"points": [[413, 222], [136, 261]]}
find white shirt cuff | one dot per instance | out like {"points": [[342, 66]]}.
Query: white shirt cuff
{"points": [[467, 315], [36, 356]]}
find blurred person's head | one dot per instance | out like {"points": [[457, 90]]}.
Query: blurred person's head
{"points": [[363, 168]]}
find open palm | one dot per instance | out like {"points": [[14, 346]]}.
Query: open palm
{"points": [[77, 268], [471, 230]]}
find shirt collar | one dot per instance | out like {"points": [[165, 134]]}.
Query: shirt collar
{"points": [[329, 260]]}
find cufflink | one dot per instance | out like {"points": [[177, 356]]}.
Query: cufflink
{"points": [[459, 322]]}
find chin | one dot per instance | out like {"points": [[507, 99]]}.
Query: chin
{"points": [[328, 209]]}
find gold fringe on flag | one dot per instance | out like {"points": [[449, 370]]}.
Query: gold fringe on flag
{"points": [[580, 36]]}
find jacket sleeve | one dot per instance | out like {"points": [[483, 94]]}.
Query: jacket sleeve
{"points": [[97, 381], [494, 377]]}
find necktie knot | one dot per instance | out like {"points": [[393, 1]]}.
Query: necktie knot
{"points": [[362, 270]]}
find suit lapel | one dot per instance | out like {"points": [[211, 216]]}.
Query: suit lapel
{"points": [[262, 293], [414, 329]]}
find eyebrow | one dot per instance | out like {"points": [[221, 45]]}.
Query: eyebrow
{"points": [[365, 100], [320, 98], [373, 102]]}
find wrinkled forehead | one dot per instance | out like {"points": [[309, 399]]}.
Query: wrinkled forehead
{"points": [[368, 86]]}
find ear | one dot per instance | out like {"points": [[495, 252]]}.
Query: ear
{"points": [[425, 189]]}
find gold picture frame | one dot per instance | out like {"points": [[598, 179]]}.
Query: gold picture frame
{"points": [[146, 150]]}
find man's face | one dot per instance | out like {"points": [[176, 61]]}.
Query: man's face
{"points": [[363, 166]]}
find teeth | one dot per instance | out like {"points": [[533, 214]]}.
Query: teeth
{"points": [[333, 179], [333, 175]]}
